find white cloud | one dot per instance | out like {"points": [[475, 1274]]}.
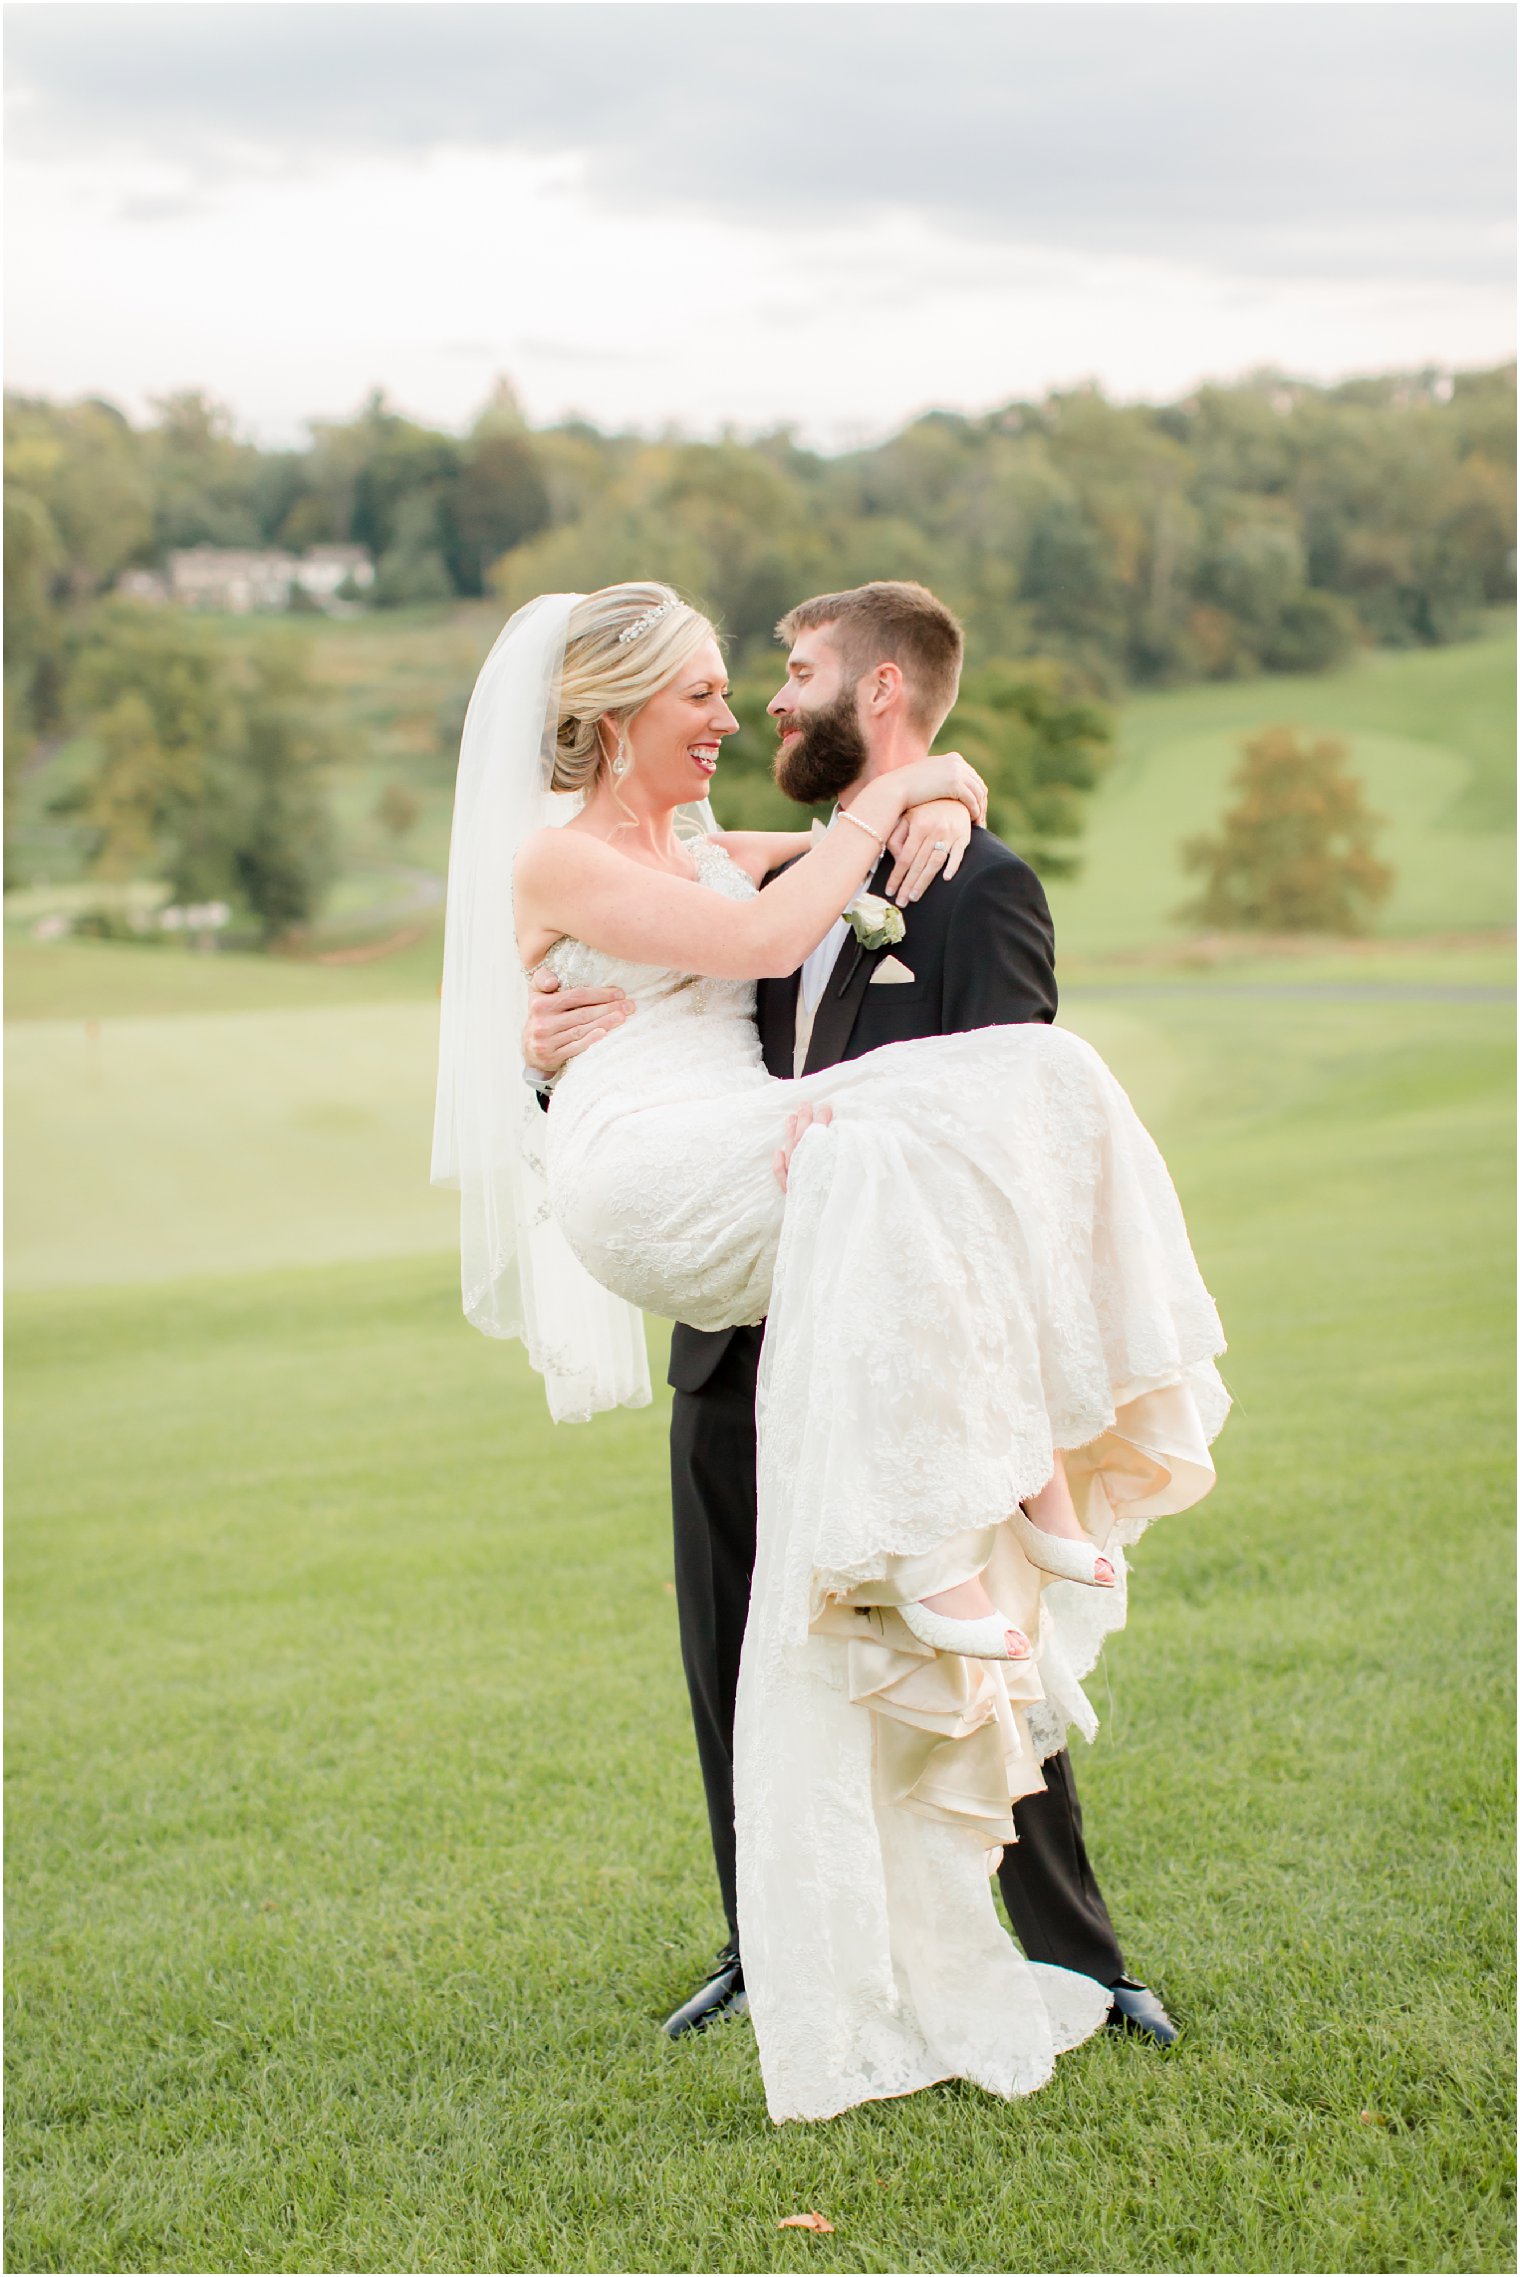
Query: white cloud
{"points": [[1056, 121], [829, 214]]}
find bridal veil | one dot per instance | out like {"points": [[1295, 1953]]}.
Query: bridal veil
{"points": [[518, 1278]]}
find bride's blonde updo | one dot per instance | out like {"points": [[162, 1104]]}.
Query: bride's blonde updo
{"points": [[605, 672]]}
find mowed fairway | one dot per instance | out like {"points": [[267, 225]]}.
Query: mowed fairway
{"points": [[355, 1839], [151, 1148], [1430, 732]]}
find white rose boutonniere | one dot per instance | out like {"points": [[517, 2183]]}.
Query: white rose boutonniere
{"points": [[875, 922]]}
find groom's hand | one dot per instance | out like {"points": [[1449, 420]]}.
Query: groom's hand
{"points": [[561, 1022], [803, 1120]]}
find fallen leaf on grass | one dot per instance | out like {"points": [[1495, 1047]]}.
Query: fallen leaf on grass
{"points": [[1372, 2119], [805, 2222]]}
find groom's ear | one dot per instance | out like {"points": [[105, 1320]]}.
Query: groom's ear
{"points": [[882, 686]]}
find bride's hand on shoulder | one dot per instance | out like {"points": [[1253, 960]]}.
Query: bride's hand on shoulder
{"points": [[930, 838]]}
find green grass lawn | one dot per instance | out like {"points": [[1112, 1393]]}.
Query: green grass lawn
{"points": [[105, 980], [152, 1148], [1431, 733], [150, 1145], [356, 1843]]}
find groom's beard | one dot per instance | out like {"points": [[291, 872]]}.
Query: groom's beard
{"points": [[829, 753]]}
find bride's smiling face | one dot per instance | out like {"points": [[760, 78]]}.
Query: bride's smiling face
{"points": [[675, 738]]}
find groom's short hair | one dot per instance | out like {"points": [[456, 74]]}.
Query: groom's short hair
{"points": [[890, 623]]}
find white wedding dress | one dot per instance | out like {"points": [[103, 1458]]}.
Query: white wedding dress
{"points": [[981, 1259]]}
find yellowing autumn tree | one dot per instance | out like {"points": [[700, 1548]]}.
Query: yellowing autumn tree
{"points": [[1294, 852]]}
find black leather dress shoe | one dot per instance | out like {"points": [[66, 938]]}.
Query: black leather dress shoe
{"points": [[1136, 2009], [722, 1996]]}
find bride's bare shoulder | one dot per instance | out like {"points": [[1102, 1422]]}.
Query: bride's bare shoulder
{"points": [[558, 853]]}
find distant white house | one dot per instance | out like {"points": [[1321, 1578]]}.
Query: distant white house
{"points": [[231, 579], [237, 580], [323, 569]]}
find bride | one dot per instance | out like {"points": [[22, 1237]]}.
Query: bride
{"points": [[989, 1356]]}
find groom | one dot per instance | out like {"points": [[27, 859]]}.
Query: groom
{"points": [[871, 675]]}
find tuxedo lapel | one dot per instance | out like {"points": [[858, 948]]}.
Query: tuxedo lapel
{"points": [[839, 1005]]}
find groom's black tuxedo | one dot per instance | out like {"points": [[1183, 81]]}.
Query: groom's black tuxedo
{"points": [[981, 951]]}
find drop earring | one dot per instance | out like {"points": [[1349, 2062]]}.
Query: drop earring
{"points": [[622, 762]]}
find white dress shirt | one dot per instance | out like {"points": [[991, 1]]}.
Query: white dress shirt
{"points": [[820, 962], [814, 979]]}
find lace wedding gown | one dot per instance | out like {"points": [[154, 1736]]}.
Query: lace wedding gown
{"points": [[981, 1259]]}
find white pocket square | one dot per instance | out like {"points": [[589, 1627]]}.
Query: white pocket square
{"points": [[891, 972]]}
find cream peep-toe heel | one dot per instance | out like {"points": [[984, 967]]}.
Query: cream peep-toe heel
{"points": [[984, 1639], [1053, 1554]]}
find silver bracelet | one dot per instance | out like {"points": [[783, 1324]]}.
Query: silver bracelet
{"points": [[878, 842]]}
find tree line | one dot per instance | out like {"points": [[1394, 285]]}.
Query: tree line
{"points": [[1087, 545], [1255, 526]]}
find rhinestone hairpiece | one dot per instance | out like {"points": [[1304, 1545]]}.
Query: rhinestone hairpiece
{"points": [[643, 623]]}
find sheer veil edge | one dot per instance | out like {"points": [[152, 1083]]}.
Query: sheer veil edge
{"points": [[517, 1276]]}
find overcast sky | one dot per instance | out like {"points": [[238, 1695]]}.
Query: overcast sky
{"points": [[834, 215]]}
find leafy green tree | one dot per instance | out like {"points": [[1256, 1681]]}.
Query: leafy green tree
{"points": [[723, 523], [412, 570], [1071, 587], [203, 481], [400, 465], [1253, 569], [33, 557], [320, 509], [500, 499], [578, 464], [1294, 851], [209, 777], [1482, 414], [35, 644], [626, 539], [1477, 524], [84, 465], [284, 851], [281, 487], [1377, 490], [1312, 632], [134, 783], [356, 475], [155, 692], [1238, 438], [500, 496], [1041, 749], [35, 631]]}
